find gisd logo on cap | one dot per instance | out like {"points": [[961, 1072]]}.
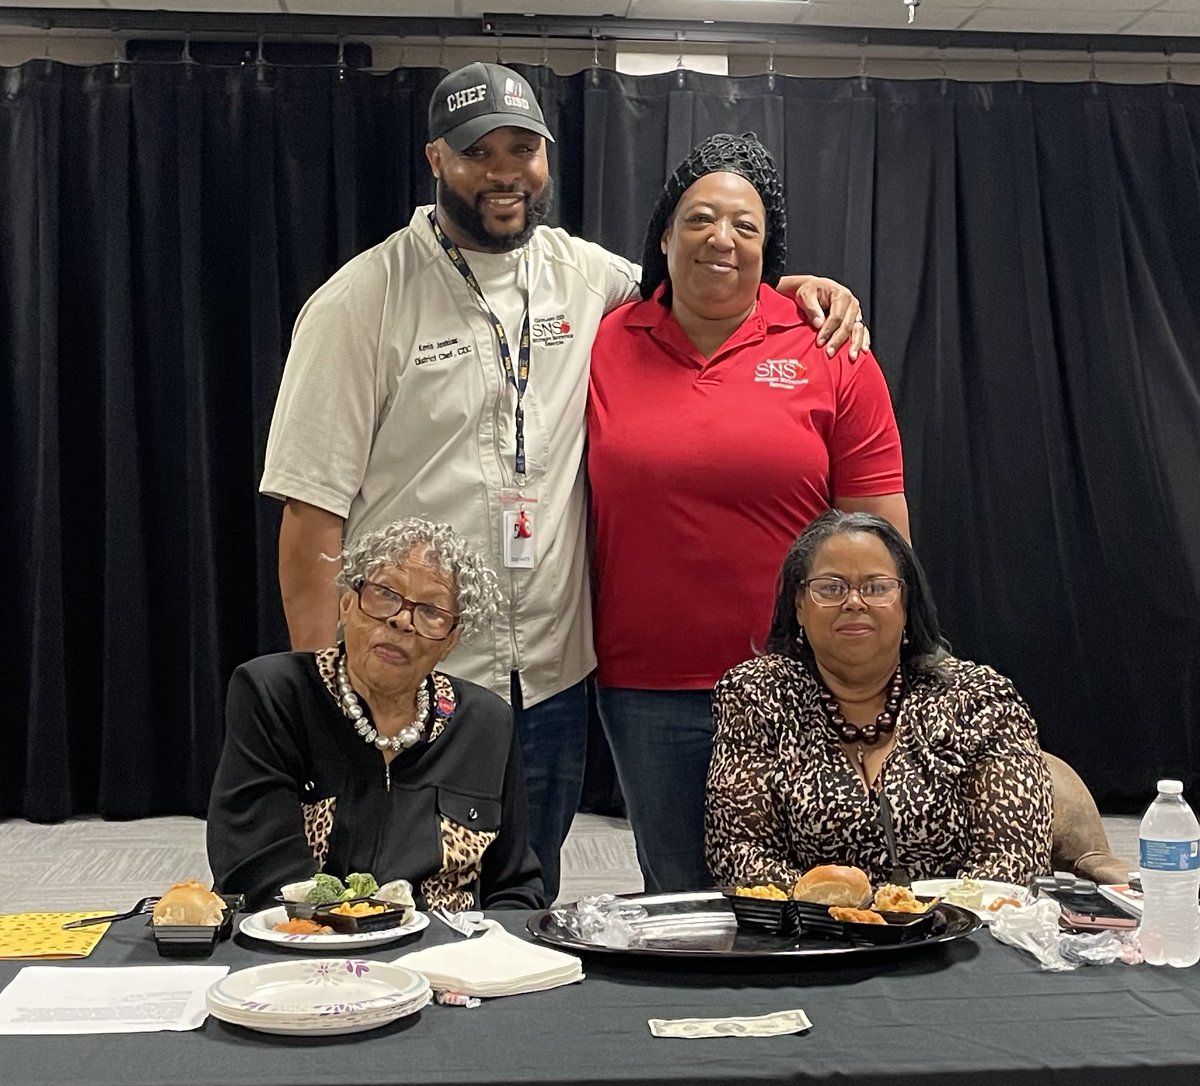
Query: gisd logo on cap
{"points": [[514, 94]]}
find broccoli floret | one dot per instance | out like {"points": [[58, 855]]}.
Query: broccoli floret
{"points": [[360, 884], [327, 890]]}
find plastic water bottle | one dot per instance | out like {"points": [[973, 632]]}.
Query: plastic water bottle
{"points": [[1169, 842]]}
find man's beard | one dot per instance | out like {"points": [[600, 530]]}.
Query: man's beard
{"points": [[466, 216]]}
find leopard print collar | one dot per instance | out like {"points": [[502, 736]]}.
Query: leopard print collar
{"points": [[442, 704]]}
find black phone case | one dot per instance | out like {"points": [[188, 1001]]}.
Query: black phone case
{"points": [[1090, 904]]}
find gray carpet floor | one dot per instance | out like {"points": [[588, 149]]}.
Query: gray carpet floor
{"points": [[88, 863]]}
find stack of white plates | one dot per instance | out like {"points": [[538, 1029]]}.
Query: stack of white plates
{"points": [[318, 997]]}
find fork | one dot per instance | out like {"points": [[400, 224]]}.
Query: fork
{"points": [[459, 922], [143, 906]]}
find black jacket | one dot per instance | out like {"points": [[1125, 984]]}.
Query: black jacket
{"points": [[298, 790]]}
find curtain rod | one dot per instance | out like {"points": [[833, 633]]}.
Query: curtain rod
{"points": [[615, 28], [573, 28]]}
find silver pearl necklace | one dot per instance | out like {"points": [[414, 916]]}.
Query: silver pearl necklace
{"points": [[408, 736]]}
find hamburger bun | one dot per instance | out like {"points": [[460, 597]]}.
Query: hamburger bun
{"points": [[189, 903], [830, 884]]}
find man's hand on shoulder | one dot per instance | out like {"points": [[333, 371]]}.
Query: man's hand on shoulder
{"points": [[832, 309]]}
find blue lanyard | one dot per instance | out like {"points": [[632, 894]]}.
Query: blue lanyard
{"points": [[519, 379]]}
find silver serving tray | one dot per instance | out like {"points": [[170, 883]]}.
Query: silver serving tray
{"points": [[701, 924]]}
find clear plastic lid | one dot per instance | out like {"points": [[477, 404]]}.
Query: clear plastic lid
{"points": [[1170, 788]]}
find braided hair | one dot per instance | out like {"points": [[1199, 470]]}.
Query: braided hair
{"points": [[722, 153]]}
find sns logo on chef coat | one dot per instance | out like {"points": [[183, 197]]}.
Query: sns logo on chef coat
{"points": [[781, 373], [552, 331]]}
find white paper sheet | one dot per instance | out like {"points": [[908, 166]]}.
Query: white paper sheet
{"points": [[59, 999]]}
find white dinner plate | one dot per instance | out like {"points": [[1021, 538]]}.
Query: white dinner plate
{"points": [[316, 1025], [332, 1028], [262, 926], [318, 998], [991, 890]]}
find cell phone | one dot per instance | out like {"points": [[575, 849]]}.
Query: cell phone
{"points": [[1083, 906]]}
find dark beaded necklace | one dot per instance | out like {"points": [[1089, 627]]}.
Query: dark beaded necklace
{"points": [[885, 722]]}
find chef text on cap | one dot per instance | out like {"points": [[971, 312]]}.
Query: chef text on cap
{"points": [[466, 97]]}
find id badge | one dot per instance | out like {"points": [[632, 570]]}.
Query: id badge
{"points": [[519, 528]]}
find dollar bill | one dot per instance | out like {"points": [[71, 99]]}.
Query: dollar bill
{"points": [[764, 1025]]}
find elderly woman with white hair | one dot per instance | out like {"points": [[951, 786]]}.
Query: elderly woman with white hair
{"points": [[363, 757]]}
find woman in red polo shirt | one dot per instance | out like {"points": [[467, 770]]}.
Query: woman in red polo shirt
{"points": [[717, 430]]}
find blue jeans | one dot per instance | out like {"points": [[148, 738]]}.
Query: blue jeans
{"points": [[553, 737], [661, 743]]}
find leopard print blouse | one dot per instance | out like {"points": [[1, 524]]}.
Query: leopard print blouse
{"points": [[462, 848], [969, 791]]}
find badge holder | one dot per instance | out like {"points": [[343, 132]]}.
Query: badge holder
{"points": [[519, 528]]}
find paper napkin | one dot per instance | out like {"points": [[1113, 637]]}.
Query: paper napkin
{"points": [[40, 935], [493, 964]]}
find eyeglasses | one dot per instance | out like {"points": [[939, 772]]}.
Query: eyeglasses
{"points": [[834, 591], [380, 602]]}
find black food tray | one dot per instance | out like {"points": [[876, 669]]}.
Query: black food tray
{"points": [[775, 915], [196, 940], [808, 918], [815, 920], [391, 917]]}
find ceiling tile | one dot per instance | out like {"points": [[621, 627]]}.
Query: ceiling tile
{"points": [[1076, 7], [881, 11], [231, 6], [1167, 22], [475, 8], [726, 11], [892, 15], [1013, 20], [941, 18], [444, 9]]}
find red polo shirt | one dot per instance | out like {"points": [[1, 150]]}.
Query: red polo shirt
{"points": [[703, 472]]}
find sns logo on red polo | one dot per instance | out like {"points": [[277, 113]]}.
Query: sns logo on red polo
{"points": [[552, 331], [781, 373]]}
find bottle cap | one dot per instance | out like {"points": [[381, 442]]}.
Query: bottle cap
{"points": [[1170, 788]]}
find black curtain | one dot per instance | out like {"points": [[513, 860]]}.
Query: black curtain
{"points": [[1025, 254]]}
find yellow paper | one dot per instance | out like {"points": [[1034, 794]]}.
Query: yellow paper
{"points": [[41, 935]]}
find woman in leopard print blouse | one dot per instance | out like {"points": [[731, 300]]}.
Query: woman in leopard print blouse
{"points": [[805, 742]]}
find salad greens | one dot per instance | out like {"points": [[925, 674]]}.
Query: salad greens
{"points": [[360, 884], [327, 890], [330, 889]]}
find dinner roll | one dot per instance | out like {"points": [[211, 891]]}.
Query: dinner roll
{"points": [[189, 903], [831, 884]]}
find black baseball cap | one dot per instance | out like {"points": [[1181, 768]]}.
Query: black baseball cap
{"points": [[472, 101]]}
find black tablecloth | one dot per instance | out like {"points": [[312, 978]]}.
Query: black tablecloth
{"points": [[971, 1012]]}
